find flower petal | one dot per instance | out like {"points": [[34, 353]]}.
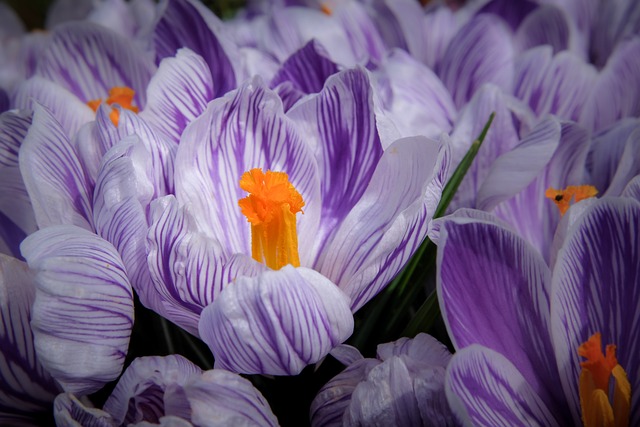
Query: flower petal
{"points": [[244, 130], [69, 411], [512, 13], [613, 95], [276, 323], [70, 111], [482, 52], [423, 348], [546, 25], [386, 226], [88, 60], [595, 286], [493, 290], [26, 388], [53, 175], [339, 125], [219, 397], [187, 23], [493, 392], [139, 394], [83, 311], [633, 189], [188, 269], [178, 93]]}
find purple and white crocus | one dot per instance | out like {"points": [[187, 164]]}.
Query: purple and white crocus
{"points": [[519, 324]]}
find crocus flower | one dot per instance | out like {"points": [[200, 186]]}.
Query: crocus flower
{"points": [[403, 385], [354, 236], [171, 391], [530, 336]]}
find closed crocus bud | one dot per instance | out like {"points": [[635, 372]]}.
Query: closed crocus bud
{"points": [[403, 385]]}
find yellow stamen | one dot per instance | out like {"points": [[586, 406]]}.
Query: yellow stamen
{"points": [[326, 9], [120, 95], [271, 208], [597, 409], [563, 198]]}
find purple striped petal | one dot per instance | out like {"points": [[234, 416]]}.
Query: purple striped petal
{"points": [[188, 269], [417, 101], [546, 25], [596, 286], [178, 93], [529, 212], [437, 224], [482, 52], [139, 394], [307, 69], [122, 195], [557, 84], [14, 199], [339, 124], [219, 397], [633, 189], [53, 175], [361, 33], [486, 389], [423, 348], [493, 289], [70, 111], [346, 354], [26, 389], [276, 323], [511, 120], [88, 60], [162, 150], [613, 157], [512, 13], [188, 23], [69, 411], [612, 23], [440, 25], [83, 311], [244, 130], [386, 226], [614, 95]]}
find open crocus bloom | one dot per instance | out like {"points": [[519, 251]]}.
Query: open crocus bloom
{"points": [[531, 337], [365, 211]]}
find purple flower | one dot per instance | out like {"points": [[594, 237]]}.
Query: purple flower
{"points": [[518, 323], [171, 391], [404, 385], [354, 236]]}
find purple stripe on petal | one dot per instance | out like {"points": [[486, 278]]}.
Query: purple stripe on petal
{"points": [[493, 290], [339, 124], [53, 175], [633, 189], [186, 23], [492, 392], [482, 52], [276, 323], [547, 25], [26, 389], [83, 311], [596, 288], [69, 411], [178, 93], [88, 60], [512, 12]]}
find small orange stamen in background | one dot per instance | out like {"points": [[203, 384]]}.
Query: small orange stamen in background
{"points": [[271, 208], [597, 409], [573, 193], [120, 95], [324, 7]]}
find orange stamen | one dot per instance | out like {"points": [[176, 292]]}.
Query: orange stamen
{"points": [[271, 208], [575, 193], [597, 409], [120, 95], [324, 7]]}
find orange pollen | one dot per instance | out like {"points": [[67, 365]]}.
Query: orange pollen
{"points": [[120, 95], [271, 208], [575, 193], [324, 7], [598, 409]]}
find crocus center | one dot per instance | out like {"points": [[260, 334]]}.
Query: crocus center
{"points": [[571, 194], [600, 408], [120, 95], [271, 208]]}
